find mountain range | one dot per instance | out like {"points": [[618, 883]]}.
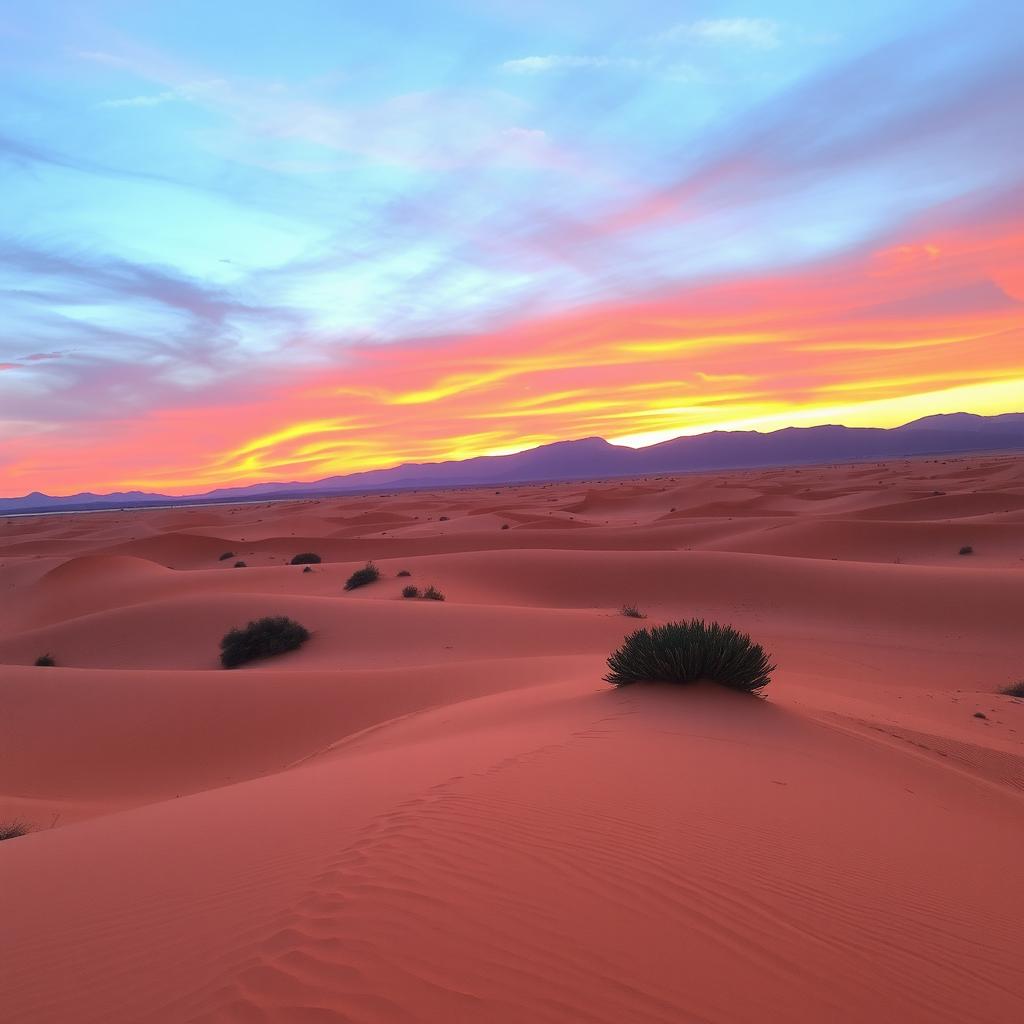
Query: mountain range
{"points": [[590, 457]]}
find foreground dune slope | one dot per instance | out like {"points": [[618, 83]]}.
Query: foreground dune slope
{"points": [[437, 811], [554, 854]]}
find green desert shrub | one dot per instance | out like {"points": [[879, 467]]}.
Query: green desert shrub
{"points": [[225, 556], [14, 829], [632, 612], [306, 558], [410, 591], [45, 661], [260, 639], [967, 550], [1014, 689], [685, 652], [433, 594], [368, 574]]}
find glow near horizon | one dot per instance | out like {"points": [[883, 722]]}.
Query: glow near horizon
{"points": [[241, 248]]}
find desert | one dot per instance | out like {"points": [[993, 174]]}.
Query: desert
{"points": [[440, 811]]}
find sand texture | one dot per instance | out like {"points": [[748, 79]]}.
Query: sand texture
{"points": [[438, 812]]}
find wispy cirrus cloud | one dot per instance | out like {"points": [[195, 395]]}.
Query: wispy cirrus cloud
{"points": [[187, 92], [568, 62], [759, 33]]}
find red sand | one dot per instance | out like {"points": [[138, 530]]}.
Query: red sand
{"points": [[438, 812]]}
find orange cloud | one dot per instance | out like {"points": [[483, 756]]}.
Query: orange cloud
{"points": [[930, 323]]}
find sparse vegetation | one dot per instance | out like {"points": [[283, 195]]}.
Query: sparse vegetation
{"points": [[240, 565], [443, 519], [45, 661], [1014, 689], [632, 612], [361, 577], [403, 572], [410, 591], [433, 594], [14, 829], [967, 550], [308, 569], [306, 558], [224, 557], [261, 639], [685, 652], [504, 526]]}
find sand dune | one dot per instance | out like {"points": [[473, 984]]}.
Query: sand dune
{"points": [[437, 811]]}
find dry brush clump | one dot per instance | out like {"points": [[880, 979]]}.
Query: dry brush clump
{"points": [[261, 638], [361, 577], [45, 661], [685, 652], [1014, 689], [410, 591], [306, 558], [433, 594], [14, 829], [632, 612]]}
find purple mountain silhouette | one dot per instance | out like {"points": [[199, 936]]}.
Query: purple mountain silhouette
{"points": [[593, 457]]}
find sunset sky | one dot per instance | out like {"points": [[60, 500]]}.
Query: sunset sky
{"points": [[280, 241]]}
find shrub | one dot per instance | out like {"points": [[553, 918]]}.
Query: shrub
{"points": [[45, 661], [632, 612], [410, 591], [967, 550], [306, 558], [240, 565], [14, 829], [260, 639], [442, 519], [307, 569], [684, 652], [403, 572], [504, 526], [433, 594], [224, 557], [368, 574], [1014, 689]]}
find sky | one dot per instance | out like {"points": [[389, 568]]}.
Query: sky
{"points": [[261, 241]]}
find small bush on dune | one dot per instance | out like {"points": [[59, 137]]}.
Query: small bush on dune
{"points": [[306, 558], [1014, 689], [442, 519], [240, 565], [224, 557], [632, 612], [685, 652], [504, 526], [45, 661], [368, 574], [433, 594], [14, 829], [967, 550], [260, 639], [403, 572], [410, 591], [307, 569]]}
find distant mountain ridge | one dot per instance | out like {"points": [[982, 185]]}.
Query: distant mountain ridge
{"points": [[948, 433]]}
